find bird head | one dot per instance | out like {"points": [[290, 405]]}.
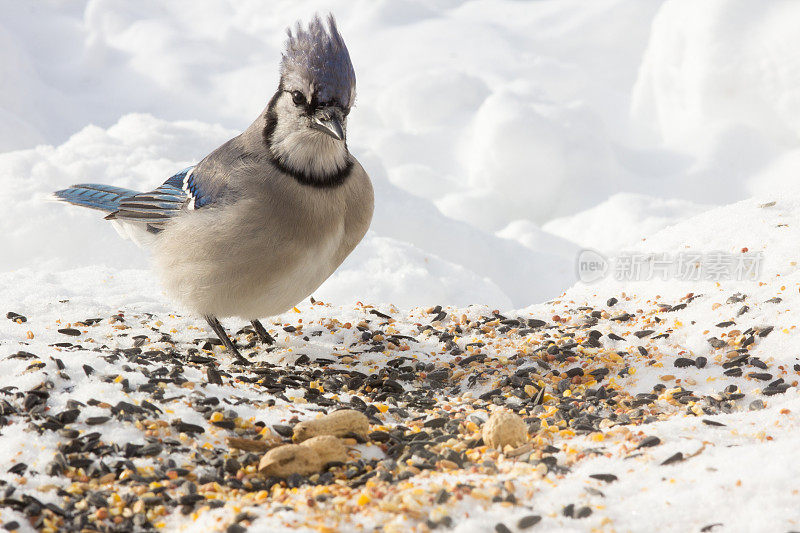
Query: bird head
{"points": [[307, 117]]}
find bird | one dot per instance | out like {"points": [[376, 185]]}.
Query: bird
{"points": [[262, 221]]}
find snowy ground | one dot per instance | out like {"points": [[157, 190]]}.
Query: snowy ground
{"points": [[502, 138], [726, 427]]}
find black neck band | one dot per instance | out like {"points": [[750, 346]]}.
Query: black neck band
{"points": [[324, 181]]}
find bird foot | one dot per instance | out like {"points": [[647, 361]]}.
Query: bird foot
{"points": [[226, 341], [262, 333]]}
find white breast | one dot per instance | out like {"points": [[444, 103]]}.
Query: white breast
{"points": [[247, 261], [308, 271]]}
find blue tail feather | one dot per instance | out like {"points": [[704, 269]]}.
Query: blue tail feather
{"points": [[95, 196]]}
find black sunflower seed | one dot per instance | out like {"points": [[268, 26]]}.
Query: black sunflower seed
{"points": [[16, 317], [150, 450], [18, 468], [154, 408], [648, 442], [185, 427], [772, 390], [283, 430], [213, 376], [69, 416], [435, 423], [528, 521], [674, 458]]}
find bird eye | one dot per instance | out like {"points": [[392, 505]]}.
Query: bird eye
{"points": [[298, 98]]}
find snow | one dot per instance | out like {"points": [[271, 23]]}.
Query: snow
{"points": [[690, 87], [743, 470], [502, 138], [622, 221], [501, 115]]}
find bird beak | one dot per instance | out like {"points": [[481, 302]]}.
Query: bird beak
{"points": [[329, 120]]}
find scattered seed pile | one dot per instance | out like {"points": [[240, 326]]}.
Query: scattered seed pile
{"points": [[125, 422]]}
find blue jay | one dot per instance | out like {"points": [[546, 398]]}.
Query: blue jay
{"points": [[264, 219]]}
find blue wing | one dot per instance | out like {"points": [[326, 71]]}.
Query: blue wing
{"points": [[95, 196], [184, 190]]}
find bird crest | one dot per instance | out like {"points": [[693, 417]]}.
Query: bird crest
{"points": [[316, 57]]}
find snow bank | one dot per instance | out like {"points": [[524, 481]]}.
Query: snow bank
{"points": [[138, 152], [769, 226], [415, 256], [502, 136], [622, 220], [719, 82], [465, 103], [717, 65]]}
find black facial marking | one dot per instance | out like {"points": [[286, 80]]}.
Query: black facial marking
{"points": [[311, 106], [320, 182], [272, 119]]}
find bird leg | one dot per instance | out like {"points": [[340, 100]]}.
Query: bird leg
{"points": [[226, 341], [262, 333]]}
